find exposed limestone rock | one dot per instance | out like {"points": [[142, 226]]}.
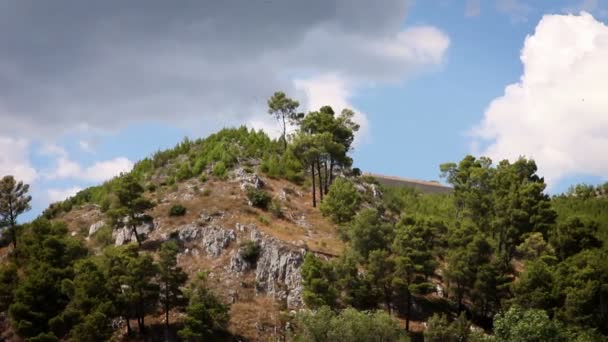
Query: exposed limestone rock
{"points": [[95, 227], [125, 234], [277, 271], [188, 232], [216, 239], [248, 179]]}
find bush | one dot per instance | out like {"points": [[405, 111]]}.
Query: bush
{"points": [[103, 236], [250, 251], [220, 169], [151, 187], [264, 220], [258, 198], [177, 210], [206, 192], [276, 209], [342, 201]]}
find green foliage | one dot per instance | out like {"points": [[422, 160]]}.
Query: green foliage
{"points": [[342, 201], [130, 204], [206, 314], [219, 170], [439, 329], [519, 325], [177, 210], [367, 232], [276, 208], [103, 236], [48, 255], [573, 236], [171, 279], [348, 325], [319, 282], [14, 201], [258, 198], [8, 283], [250, 251]]}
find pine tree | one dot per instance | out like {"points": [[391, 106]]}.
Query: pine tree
{"points": [[172, 278], [14, 201]]}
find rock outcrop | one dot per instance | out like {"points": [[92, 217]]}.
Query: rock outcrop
{"points": [[277, 270], [125, 235], [95, 227], [213, 239]]}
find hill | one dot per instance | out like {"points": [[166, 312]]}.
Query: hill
{"points": [[241, 237]]}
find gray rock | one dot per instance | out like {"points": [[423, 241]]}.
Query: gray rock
{"points": [[248, 179], [216, 239], [188, 232], [277, 271], [95, 227], [125, 234]]}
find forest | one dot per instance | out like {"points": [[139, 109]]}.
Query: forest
{"points": [[497, 259]]}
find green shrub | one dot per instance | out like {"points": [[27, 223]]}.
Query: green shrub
{"points": [[206, 192], [183, 172], [204, 178], [103, 236], [250, 251], [341, 202], [151, 187], [258, 198], [264, 220], [177, 210], [276, 209], [220, 169]]}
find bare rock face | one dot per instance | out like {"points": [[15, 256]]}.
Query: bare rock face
{"points": [[215, 239], [125, 234], [95, 227], [248, 180], [277, 270]]}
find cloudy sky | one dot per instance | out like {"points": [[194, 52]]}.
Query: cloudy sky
{"points": [[88, 88]]}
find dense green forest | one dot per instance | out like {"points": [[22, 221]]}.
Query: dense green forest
{"points": [[506, 261]]}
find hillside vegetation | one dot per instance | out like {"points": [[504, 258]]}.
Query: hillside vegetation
{"points": [[238, 236]]}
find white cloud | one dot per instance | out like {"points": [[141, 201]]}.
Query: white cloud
{"points": [[98, 172], [56, 195], [334, 91], [558, 112], [14, 159]]}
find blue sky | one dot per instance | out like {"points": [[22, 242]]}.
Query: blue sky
{"points": [[87, 92]]}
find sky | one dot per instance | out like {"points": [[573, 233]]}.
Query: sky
{"points": [[89, 88]]}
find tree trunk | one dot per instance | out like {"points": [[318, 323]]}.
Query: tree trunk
{"points": [[13, 230], [408, 308], [387, 299], [320, 180], [129, 331], [314, 194], [284, 135], [134, 231], [331, 171], [12, 222]]}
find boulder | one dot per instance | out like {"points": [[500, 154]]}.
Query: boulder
{"points": [[95, 227]]}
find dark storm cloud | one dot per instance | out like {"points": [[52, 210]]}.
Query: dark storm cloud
{"points": [[99, 64]]}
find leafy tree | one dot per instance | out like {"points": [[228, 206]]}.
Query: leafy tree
{"points": [[519, 325], [48, 254], [381, 273], [141, 291], [367, 232], [439, 329], [284, 109], [534, 247], [354, 287], [413, 246], [573, 236], [14, 201], [131, 204], [171, 278], [342, 201], [206, 314], [535, 287], [348, 325], [319, 282], [8, 282]]}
